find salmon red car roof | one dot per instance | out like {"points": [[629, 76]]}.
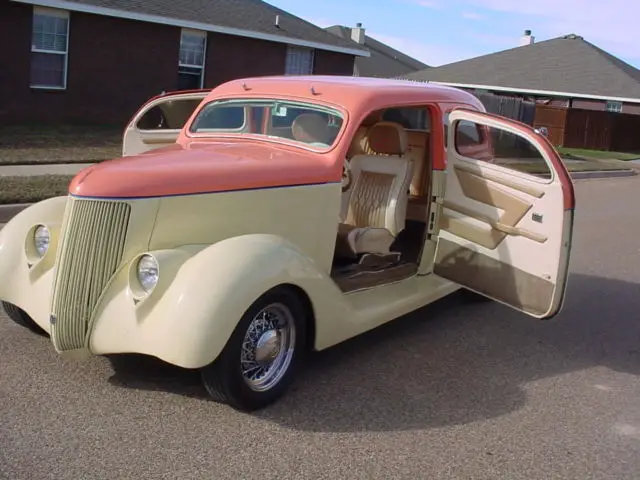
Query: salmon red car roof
{"points": [[350, 92]]}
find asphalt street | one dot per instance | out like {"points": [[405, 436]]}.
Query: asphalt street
{"points": [[452, 391]]}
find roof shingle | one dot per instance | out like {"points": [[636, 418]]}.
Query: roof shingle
{"points": [[566, 64]]}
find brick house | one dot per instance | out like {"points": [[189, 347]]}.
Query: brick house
{"points": [[97, 61]]}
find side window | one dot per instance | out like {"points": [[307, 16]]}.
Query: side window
{"points": [[468, 134], [169, 115], [493, 145], [411, 118]]}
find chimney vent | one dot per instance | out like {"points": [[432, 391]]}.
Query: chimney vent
{"points": [[277, 23], [357, 34], [527, 39]]}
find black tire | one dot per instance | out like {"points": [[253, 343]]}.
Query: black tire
{"points": [[20, 317], [223, 378]]}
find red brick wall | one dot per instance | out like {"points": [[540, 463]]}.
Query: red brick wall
{"points": [[230, 57], [115, 65]]}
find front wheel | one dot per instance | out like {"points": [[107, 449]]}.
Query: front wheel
{"points": [[21, 317], [263, 354]]}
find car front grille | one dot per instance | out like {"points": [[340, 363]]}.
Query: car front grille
{"points": [[90, 248]]}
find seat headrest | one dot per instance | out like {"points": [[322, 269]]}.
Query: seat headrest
{"points": [[360, 143], [311, 128], [388, 138]]}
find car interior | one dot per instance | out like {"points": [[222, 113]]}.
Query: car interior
{"points": [[385, 200]]}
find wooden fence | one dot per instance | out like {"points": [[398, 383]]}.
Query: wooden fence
{"points": [[554, 119], [590, 129], [511, 107]]}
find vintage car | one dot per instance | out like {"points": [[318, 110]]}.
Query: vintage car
{"points": [[247, 225]]}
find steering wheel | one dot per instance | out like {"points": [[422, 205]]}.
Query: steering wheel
{"points": [[346, 176]]}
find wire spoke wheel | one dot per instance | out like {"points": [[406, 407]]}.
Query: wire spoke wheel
{"points": [[263, 355], [268, 347]]}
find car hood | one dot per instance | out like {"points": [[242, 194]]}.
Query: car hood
{"points": [[202, 168]]}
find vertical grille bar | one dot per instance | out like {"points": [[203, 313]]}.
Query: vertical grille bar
{"points": [[91, 248]]}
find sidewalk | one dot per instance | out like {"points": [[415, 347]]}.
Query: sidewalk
{"points": [[49, 169]]}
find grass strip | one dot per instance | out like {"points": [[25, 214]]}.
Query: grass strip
{"points": [[31, 189]]}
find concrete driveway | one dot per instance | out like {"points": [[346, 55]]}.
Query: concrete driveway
{"points": [[452, 391]]}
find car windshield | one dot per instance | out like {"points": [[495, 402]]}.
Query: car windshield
{"points": [[310, 124]]}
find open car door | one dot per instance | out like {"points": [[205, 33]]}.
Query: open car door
{"points": [[507, 218], [159, 121]]}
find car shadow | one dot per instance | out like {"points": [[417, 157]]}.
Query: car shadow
{"points": [[449, 363]]}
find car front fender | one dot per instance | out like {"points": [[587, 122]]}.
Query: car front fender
{"points": [[24, 283], [202, 293]]}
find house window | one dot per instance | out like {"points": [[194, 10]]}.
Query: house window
{"points": [[299, 61], [614, 106], [49, 48], [191, 60]]}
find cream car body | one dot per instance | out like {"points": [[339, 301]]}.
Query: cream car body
{"points": [[228, 215]]}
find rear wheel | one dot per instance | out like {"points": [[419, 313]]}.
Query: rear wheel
{"points": [[21, 317], [263, 354]]}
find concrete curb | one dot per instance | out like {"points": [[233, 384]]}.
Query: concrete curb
{"points": [[603, 174], [7, 212]]}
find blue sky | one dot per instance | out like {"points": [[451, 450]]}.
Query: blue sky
{"points": [[443, 31]]}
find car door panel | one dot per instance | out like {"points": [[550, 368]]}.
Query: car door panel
{"points": [[158, 122], [506, 233]]}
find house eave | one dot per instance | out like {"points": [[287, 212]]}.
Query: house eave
{"points": [[110, 12], [549, 93]]}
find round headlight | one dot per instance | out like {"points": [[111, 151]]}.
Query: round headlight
{"points": [[41, 240], [147, 272]]}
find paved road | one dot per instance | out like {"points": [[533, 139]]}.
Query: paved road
{"points": [[449, 392], [51, 169]]}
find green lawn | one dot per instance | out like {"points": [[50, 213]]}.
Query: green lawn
{"points": [[32, 188], [597, 154], [33, 145]]}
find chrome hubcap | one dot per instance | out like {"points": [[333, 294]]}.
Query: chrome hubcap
{"points": [[268, 347]]}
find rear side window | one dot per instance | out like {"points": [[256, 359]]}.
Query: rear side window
{"points": [[168, 115], [411, 118]]}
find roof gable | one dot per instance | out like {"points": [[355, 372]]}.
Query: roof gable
{"points": [[250, 18], [384, 61], [566, 64]]}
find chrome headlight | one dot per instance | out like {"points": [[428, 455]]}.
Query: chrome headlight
{"points": [[147, 272], [41, 240]]}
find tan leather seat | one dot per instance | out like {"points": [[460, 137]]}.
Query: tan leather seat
{"points": [[378, 197]]}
